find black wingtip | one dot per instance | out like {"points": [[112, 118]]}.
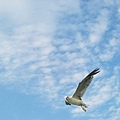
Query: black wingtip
{"points": [[97, 70]]}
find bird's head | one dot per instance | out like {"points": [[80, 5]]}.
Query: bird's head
{"points": [[65, 97], [66, 100]]}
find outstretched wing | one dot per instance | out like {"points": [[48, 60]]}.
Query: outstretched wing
{"points": [[83, 85]]}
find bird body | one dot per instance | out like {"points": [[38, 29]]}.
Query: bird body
{"points": [[74, 101], [81, 89]]}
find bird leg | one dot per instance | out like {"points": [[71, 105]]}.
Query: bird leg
{"points": [[86, 106], [83, 108]]}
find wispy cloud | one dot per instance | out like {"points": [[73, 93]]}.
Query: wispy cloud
{"points": [[110, 50], [53, 45]]}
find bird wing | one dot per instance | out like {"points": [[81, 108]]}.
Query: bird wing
{"points": [[83, 85]]}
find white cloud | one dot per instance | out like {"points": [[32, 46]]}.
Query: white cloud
{"points": [[110, 50], [98, 29], [16, 10], [48, 52]]}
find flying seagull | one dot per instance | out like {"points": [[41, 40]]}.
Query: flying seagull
{"points": [[81, 89]]}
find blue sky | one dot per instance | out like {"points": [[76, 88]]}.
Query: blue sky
{"points": [[47, 47]]}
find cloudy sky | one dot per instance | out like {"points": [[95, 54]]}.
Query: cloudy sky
{"points": [[47, 47]]}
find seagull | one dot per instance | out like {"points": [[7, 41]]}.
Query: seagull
{"points": [[81, 89]]}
